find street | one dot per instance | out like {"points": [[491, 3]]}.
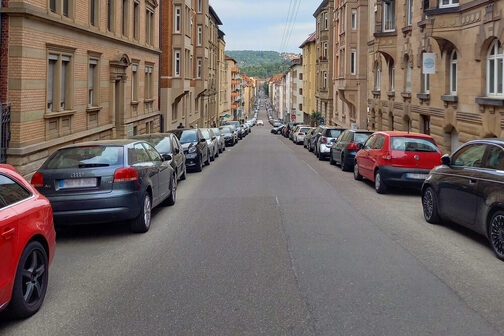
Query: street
{"points": [[270, 241]]}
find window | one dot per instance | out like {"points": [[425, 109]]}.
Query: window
{"points": [[325, 80], [301, 91], [392, 77], [369, 143], [125, 17], [11, 192], [200, 35], [380, 141], [448, 3], [469, 156], [94, 11], [353, 62], [426, 124], [148, 85], [407, 86], [110, 15], [495, 158], [200, 6], [50, 82], [453, 73], [300, 76], [93, 83], [66, 8], [63, 7], [326, 21], [137, 154], [177, 63], [325, 50], [136, 23], [300, 107], [354, 19], [149, 27], [378, 78], [59, 87], [134, 82], [52, 5], [199, 68], [153, 153], [495, 69], [178, 19], [409, 12], [388, 16]]}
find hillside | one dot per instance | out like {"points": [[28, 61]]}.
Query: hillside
{"points": [[262, 64]]}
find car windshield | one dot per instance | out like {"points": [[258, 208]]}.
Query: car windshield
{"points": [[361, 137], [410, 144], [162, 144], [188, 136], [206, 134], [216, 131], [334, 133], [304, 130], [226, 130], [86, 157]]}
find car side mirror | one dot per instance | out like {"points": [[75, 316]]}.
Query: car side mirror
{"points": [[213, 138], [167, 157], [446, 160], [360, 145], [203, 140], [177, 150]]}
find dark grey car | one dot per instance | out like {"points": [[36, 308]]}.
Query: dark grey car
{"points": [[107, 181]]}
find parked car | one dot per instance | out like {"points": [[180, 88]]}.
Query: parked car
{"points": [[195, 148], [314, 137], [290, 131], [170, 149], [396, 159], [299, 134], [467, 189], [345, 148], [237, 128], [106, 181], [306, 141], [27, 244], [220, 139], [260, 123], [277, 130], [325, 140], [211, 140], [230, 137]]}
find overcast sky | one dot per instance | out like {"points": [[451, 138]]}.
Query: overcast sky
{"points": [[259, 24]]}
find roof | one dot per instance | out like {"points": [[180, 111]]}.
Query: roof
{"points": [[229, 58], [320, 8], [215, 16], [311, 39]]}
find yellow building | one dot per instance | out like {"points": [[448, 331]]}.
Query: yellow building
{"points": [[309, 71]]}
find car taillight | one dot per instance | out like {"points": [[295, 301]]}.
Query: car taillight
{"points": [[352, 146], [301, 134], [324, 140], [125, 175], [37, 180]]}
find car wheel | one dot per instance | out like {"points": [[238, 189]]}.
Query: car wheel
{"points": [[320, 156], [496, 234], [184, 175], [430, 206], [212, 157], [310, 148], [173, 192], [331, 159], [343, 164], [142, 223], [199, 168], [357, 176], [30, 283], [380, 186], [208, 159]]}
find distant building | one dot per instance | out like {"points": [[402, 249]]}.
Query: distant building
{"points": [[309, 76]]}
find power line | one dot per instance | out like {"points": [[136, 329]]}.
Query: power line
{"points": [[287, 20], [293, 24]]}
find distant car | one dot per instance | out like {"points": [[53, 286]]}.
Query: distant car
{"points": [[170, 149], [277, 130], [106, 181], [230, 137], [325, 140], [220, 139], [299, 134], [27, 244], [237, 127], [345, 148], [260, 123], [396, 159], [468, 189], [212, 142], [195, 147]]}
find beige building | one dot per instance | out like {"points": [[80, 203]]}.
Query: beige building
{"points": [[76, 71], [324, 63], [309, 76], [460, 44], [350, 63], [212, 119], [224, 105]]}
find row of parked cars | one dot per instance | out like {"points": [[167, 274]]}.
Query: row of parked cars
{"points": [[93, 183], [466, 187]]}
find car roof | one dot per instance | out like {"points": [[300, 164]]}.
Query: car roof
{"points": [[360, 131], [499, 141], [151, 135], [119, 142], [404, 134]]}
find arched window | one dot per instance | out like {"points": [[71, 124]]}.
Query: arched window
{"points": [[495, 69], [407, 86], [377, 77], [425, 80], [392, 76], [453, 73]]}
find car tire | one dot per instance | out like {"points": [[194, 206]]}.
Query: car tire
{"points": [[430, 206], [207, 163], [344, 166], [320, 156], [310, 149], [183, 177], [33, 266], [199, 168], [212, 157], [331, 159], [496, 233], [173, 192], [357, 176], [142, 223], [380, 186]]}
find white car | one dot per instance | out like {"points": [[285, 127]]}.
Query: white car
{"points": [[260, 123], [300, 133]]}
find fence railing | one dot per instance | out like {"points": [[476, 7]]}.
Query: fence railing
{"points": [[5, 119]]}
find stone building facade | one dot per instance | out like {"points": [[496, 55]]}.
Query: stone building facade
{"points": [[77, 70], [309, 78], [223, 80], [464, 98]]}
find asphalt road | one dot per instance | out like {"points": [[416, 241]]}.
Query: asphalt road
{"points": [[270, 241]]}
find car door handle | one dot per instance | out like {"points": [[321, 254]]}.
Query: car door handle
{"points": [[472, 181], [8, 234]]}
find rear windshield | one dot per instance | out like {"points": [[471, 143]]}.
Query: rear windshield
{"points": [[333, 133], [86, 157], [407, 144], [361, 137], [206, 134], [226, 130], [188, 136], [162, 144], [304, 130]]}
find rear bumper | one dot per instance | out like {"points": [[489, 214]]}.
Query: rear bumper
{"points": [[86, 209], [397, 177]]}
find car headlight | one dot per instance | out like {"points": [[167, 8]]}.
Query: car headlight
{"points": [[192, 149]]}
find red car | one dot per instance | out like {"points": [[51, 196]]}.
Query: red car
{"points": [[27, 244], [396, 159]]}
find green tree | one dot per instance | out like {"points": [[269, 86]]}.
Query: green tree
{"points": [[316, 117]]}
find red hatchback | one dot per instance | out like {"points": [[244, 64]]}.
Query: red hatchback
{"points": [[396, 159], [27, 244]]}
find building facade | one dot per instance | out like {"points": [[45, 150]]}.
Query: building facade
{"points": [[324, 64], [350, 63], [77, 70], [295, 92], [213, 71], [309, 77], [224, 105]]}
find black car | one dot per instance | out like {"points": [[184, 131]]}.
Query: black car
{"points": [[229, 136], [468, 189], [277, 130], [325, 139], [346, 146], [107, 181], [170, 149], [195, 147]]}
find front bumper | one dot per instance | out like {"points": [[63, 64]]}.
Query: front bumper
{"points": [[192, 160], [398, 177]]}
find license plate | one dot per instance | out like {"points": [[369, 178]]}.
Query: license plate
{"points": [[78, 183], [416, 176]]}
